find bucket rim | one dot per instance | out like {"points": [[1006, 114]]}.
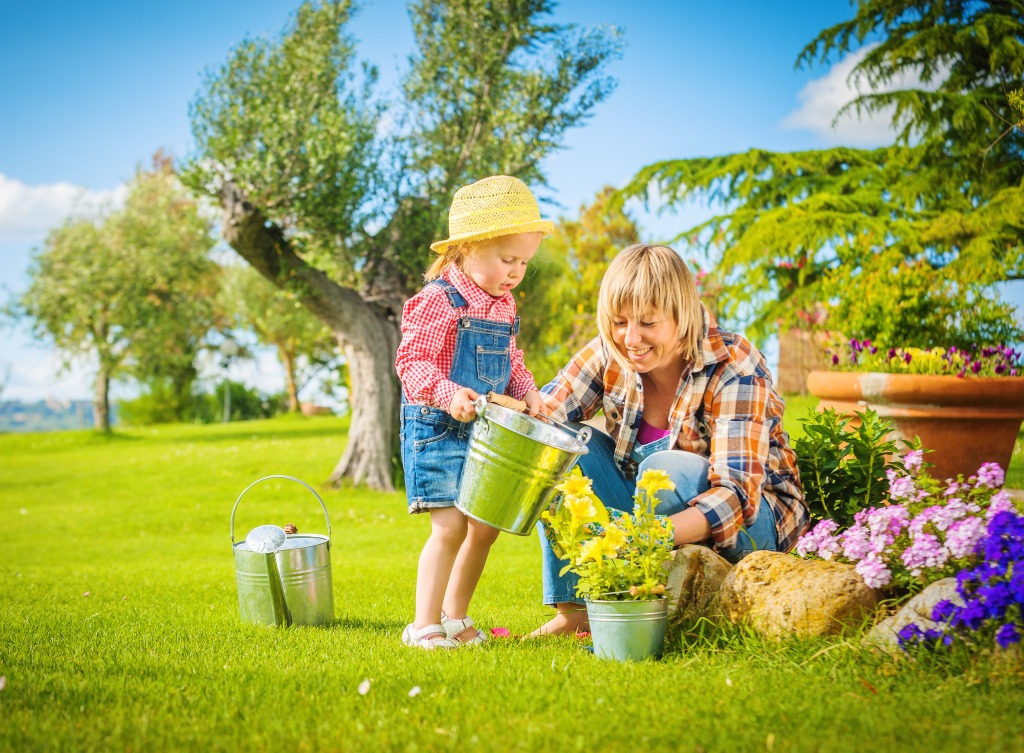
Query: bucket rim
{"points": [[323, 538], [502, 411]]}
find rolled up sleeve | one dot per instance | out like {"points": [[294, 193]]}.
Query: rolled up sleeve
{"points": [[739, 447]]}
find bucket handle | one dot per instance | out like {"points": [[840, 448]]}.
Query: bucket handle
{"points": [[582, 435], [289, 478]]}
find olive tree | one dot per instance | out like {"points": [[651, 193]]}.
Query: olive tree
{"points": [[335, 196]]}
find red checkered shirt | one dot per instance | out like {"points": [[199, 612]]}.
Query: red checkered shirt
{"points": [[427, 350], [726, 410]]}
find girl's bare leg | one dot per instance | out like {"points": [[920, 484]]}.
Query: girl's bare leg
{"points": [[447, 534], [469, 566]]}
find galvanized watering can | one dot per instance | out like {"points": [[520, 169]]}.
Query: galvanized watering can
{"points": [[284, 579], [513, 464]]}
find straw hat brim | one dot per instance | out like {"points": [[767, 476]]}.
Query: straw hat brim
{"points": [[537, 226]]}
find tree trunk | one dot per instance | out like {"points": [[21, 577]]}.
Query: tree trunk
{"points": [[366, 326], [287, 358], [374, 400], [101, 401]]}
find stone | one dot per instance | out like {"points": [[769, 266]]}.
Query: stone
{"points": [[918, 610], [780, 594], [695, 576]]}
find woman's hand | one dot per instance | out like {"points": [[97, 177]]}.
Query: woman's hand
{"points": [[461, 406], [535, 403]]}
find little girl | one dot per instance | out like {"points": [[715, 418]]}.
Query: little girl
{"points": [[458, 342]]}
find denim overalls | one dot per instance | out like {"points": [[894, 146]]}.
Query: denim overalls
{"points": [[434, 443]]}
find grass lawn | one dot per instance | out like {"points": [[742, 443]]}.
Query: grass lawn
{"points": [[119, 630]]}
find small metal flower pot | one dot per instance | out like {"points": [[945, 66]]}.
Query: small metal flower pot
{"points": [[628, 630]]}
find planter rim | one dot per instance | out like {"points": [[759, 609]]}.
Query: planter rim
{"points": [[897, 375], [882, 388]]}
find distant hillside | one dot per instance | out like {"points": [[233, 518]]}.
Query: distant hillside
{"points": [[45, 415]]}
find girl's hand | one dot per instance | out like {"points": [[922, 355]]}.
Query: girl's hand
{"points": [[535, 403], [461, 406]]}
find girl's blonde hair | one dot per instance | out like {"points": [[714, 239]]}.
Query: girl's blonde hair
{"points": [[453, 254], [644, 277]]}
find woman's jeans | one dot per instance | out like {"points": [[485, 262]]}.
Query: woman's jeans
{"points": [[689, 472]]}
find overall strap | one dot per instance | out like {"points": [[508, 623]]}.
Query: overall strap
{"points": [[454, 296]]}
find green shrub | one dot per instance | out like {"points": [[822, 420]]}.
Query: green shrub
{"points": [[843, 462]]}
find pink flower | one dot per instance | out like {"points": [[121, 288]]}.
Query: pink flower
{"points": [[856, 544], [912, 460], [963, 535], [991, 474], [874, 572], [1000, 502], [925, 551]]}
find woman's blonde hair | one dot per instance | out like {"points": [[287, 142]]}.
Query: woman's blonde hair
{"points": [[644, 277]]}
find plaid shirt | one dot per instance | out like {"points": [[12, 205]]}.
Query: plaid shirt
{"points": [[427, 350], [726, 410]]}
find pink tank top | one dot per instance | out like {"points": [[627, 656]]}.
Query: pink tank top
{"points": [[648, 433]]}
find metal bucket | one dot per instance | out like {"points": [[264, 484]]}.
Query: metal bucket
{"points": [[513, 464], [628, 630], [291, 586]]}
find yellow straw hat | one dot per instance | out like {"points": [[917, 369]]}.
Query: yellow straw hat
{"points": [[495, 206]]}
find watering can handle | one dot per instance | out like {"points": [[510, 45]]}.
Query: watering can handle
{"points": [[583, 434], [289, 478]]}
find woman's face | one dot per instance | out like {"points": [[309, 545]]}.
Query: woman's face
{"points": [[500, 264], [649, 341]]}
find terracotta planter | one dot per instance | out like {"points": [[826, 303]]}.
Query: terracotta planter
{"points": [[966, 421]]}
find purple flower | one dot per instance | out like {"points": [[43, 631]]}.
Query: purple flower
{"points": [[1007, 635], [906, 358]]}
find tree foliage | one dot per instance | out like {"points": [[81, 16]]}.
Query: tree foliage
{"points": [[132, 290], [558, 299], [303, 344], [946, 197], [329, 199]]}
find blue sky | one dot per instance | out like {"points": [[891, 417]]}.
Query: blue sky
{"points": [[91, 90]]}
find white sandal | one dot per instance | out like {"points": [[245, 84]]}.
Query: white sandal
{"points": [[427, 637], [453, 627]]}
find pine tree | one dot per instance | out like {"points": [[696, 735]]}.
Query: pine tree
{"points": [[820, 226]]}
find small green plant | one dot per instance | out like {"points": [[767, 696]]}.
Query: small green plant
{"points": [[843, 463], [619, 557]]}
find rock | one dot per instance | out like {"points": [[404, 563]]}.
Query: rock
{"points": [[695, 575], [780, 594], [918, 611]]}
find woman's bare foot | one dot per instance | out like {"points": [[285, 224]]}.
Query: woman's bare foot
{"points": [[566, 622]]}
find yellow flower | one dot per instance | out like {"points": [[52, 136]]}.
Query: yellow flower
{"points": [[581, 508], [614, 538], [592, 550], [653, 481], [575, 486]]}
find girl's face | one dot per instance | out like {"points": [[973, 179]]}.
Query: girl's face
{"points": [[499, 264], [650, 340]]}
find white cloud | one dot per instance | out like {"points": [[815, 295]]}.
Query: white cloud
{"points": [[821, 99], [27, 213]]}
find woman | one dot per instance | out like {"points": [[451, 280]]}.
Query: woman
{"points": [[679, 395]]}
